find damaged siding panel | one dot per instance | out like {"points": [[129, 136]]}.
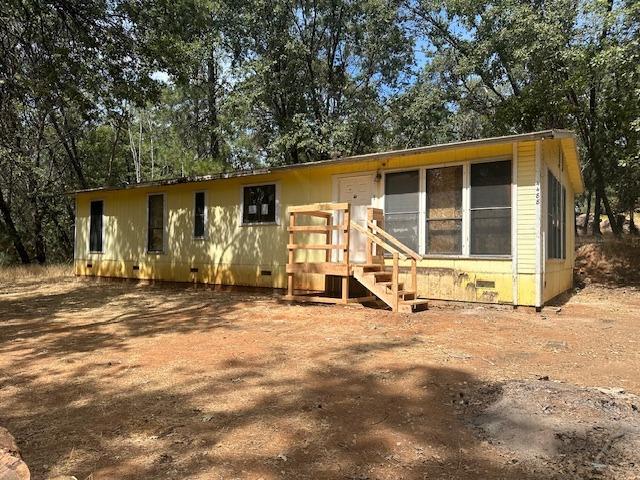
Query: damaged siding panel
{"points": [[460, 279]]}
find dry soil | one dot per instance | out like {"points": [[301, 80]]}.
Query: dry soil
{"points": [[115, 380]]}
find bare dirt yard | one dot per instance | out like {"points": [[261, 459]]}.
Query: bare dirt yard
{"points": [[108, 379]]}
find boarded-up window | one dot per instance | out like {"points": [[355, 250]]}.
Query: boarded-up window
{"points": [[199, 215], [491, 208], [444, 210], [259, 204], [95, 226], [401, 206], [556, 218], [155, 240]]}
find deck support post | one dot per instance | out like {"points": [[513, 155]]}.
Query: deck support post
{"points": [[394, 282], [346, 223], [291, 259]]}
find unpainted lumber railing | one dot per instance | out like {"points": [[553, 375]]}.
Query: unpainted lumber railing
{"points": [[325, 211], [378, 237]]}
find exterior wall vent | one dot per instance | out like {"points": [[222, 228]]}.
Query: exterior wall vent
{"points": [[136, 267], [89, 265], [485, 284], [265, 273], [193, 270]]}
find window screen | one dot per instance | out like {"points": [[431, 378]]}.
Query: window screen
{"points": [[401, 206], [155, 240], [95, 226], [556, 218], [259, 204], [444, 210], [491, 208], [199, 215]]}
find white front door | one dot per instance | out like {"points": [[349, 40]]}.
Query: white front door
{"points": [[358, 191]]}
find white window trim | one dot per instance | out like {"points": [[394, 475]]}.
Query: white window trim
{"points": [[205, 234], [466, 206], [261, 224], [96, 252], [165, 226]]}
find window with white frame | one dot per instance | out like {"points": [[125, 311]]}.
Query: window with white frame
{"points": [[95, 226], [402, 206], [199, 215], [556, 218], [259, 204], [155, 223], [490, 208], [443, 213], [485, 189]]}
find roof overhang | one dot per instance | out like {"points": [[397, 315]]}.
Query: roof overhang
{"points": [[566, 137]]}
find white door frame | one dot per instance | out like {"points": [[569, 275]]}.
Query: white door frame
{"points": [[375, 196]]}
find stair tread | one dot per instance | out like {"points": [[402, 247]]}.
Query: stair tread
{"points": [[415, 301]]}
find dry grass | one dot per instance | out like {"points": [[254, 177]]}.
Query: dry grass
{"points": [[19, 273]]}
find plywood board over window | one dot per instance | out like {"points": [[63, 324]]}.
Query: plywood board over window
{"points": [[444, 210]]}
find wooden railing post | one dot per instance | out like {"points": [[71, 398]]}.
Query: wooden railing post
{"points": [[394, 282], [414, 276], [369, 242], [292, 223], [346, 228]]}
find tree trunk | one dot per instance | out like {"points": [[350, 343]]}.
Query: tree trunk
{"points": [[11, 230], [113, 152], [63, 236], [633, 230], [38, 238], [613, 219], [212, 81], [595, 229], [585, 226]]}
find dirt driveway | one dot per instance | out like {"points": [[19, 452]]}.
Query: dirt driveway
{"points": [[110, 380]]}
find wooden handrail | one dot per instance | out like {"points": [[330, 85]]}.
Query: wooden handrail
{"points": [[406, 250], [377, 241]]}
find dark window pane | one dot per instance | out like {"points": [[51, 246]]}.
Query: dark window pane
{"points": [[403, 226], [491, 184], [444, 237], [444, 192], [198, 228], [156, 223], [491, 232], [556, 218], [259, 204], [95, 226], [563, 215], [402, 192]]}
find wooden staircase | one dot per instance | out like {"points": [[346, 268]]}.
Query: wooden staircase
{"points": [[379, 281], [382, 280], [381, 272]]}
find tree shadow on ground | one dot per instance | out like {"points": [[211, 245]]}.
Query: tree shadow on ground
{"points": [[77, 320], [359, 410]]}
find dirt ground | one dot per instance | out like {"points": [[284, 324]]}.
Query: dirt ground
{"points": [[116, 380]]}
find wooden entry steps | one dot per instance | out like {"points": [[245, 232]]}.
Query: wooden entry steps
{"points": [[332, 223], [379, 281]]}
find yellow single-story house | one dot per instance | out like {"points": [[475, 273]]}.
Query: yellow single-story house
{"points": [[488, 220]]}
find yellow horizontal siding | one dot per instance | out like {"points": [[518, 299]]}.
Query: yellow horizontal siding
{"points": [[239, 255], [526, 210]]}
